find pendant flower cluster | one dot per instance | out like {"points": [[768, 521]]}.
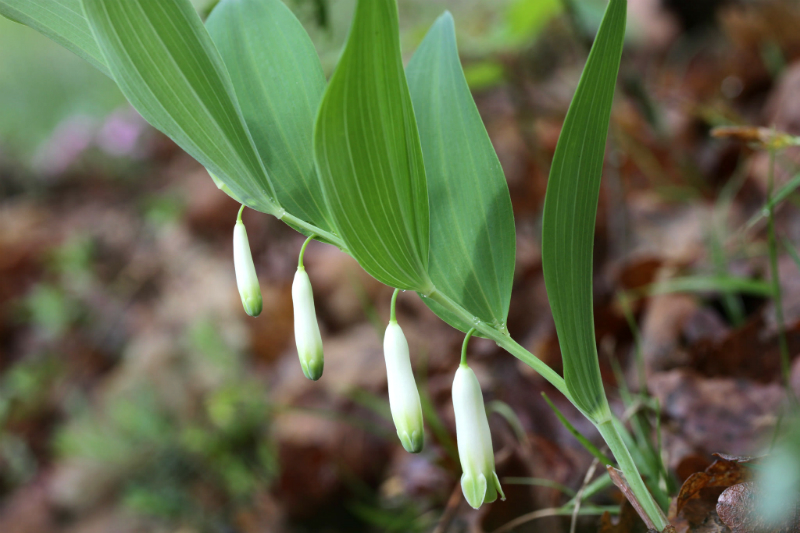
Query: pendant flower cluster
{"points": [[306, 329], [479, 481]]}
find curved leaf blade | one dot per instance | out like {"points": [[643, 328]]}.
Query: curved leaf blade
{"points": [[570, 210], [279, 82], [368, 153], [165, 63], [60, 20], [472, 248]]}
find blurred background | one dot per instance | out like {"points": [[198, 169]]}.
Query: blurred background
{"points": [[137, 396]]}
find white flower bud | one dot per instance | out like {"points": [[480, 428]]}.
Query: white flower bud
{"points": [[306, 329], [479, 481], [246, 278], [403, 394]]}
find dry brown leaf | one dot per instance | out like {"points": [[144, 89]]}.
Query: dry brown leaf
{"points": [[766, 138], [707, 486], [694, 510], [715, 413], [737, 509]]}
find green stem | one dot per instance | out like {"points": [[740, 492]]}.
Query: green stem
{"points": [[776, 282], [312, 230], [303, 252], [464, 346], [239, 216], [392, 317], [504, 341], [488, 331], [628, 467]]}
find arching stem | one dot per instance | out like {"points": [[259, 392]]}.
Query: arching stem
{"points": [[303, 252], [464, 346], [392, 316]]}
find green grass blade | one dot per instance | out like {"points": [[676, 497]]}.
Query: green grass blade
{"points": [[570, 210], [792, 252], [538, 482], [586, 443], [595, 487], [279, 82], [368, 153], [723, 284], [505, 410], [472, 247], [60, 20], [165, 63], [784, 192]]}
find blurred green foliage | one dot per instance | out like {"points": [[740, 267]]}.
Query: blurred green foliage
{"points": [[73, 259], [779, 477], [164, 454], [49, 309], [42, 84], [161, 209], [24, 390]]}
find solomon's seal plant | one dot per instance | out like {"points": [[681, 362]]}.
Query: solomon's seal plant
{"points": [[246, 279], [391, 165], [403, 394], [479, 482]]}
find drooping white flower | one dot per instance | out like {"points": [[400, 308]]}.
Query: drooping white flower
{"points": [[246, 278], [479, 480], [306, 328], [403, 394]]}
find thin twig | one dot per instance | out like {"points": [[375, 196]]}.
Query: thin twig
{"points": [[622, 484], [453, 504], [578, 497], [535, 515], [553, 511], [776, 282]]}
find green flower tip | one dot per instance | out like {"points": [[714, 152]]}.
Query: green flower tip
{"points": [[474, 488], [312, 367], [477, 491], [412, 443], [493, 489], [253, 304]]}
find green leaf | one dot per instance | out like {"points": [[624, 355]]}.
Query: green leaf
{"points": [[60, 20], [472, 248], [165, 63], [570, 209], [279, 81], [369, 157]]}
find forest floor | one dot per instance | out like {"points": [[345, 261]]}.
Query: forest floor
{"points": [[136, 395]]}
